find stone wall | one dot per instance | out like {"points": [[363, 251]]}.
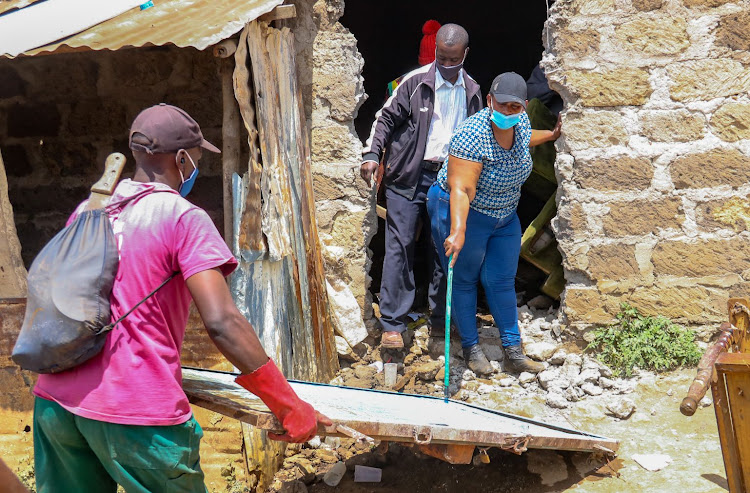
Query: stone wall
{"points": [[329, 68], [654, 163]]}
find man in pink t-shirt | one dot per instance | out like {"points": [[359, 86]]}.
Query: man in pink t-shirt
{"points": [[122, 416]]}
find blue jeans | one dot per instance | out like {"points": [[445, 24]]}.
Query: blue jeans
{"points": [[490, 255]]}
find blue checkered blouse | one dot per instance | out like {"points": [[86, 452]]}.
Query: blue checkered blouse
{"points": [[503, 171]]}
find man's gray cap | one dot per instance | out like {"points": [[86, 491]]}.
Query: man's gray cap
{"points": [[509, 87]]}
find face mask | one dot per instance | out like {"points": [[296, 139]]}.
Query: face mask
{"points": [[449, 72], [504, 122], [187, 185]]}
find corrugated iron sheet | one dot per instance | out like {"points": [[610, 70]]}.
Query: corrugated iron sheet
{"points": [[183, 23], [6, 5]]}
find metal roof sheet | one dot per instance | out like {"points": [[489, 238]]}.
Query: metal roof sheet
{"points": [[183, 23]]}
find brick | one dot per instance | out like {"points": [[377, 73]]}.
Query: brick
{"points": [[44, 198], [702, 80], [672, 126], [612, 262], [648, 5], [33, 120], [95, 117], [596, 129], [711, 169], [615, 173], [732, 31], [653, 36], [733, 213], [619, 87], [64, 76], [719, 257], [11, 84], [578, 43], [731, 122], [642, 217]]}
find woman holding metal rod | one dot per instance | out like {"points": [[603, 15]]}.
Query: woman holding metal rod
{"points": [[472, 208]]}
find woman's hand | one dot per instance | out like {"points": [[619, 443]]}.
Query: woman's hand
{"points": [[453, 245]]}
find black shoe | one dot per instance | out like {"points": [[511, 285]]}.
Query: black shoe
{"points": [[477, 361], [519, 362]]}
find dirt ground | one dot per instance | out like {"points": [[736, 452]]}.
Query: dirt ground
{"points": [[655, 426]]}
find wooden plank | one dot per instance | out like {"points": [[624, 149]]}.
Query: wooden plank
{"points": [[318, 343], [249, 238], [732, 362], [726, 438], [391, 416], [279, 13], [12, 271], [739, 316], [738, 395], [230, 142]]}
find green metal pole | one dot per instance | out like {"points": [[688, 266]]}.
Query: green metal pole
{"points": [[448, 297]]}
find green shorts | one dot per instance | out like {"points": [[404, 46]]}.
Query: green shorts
{"points": [[75, 454]]}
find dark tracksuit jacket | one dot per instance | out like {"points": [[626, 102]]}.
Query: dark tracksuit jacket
{"points": [[402, 125]]}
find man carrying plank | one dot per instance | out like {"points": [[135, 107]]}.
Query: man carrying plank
{"points": [[122, 416]]}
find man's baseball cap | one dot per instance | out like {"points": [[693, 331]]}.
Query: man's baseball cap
{"points": [[509, 87], [165, 128]]}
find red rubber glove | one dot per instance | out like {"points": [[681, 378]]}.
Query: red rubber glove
{"points": [[299, 419]]}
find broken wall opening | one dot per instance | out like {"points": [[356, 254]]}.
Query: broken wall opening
{"points": [[504, 36]]}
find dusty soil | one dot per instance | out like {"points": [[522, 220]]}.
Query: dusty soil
{"points": [[655, 426]]}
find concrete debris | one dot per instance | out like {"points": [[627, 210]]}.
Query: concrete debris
{"points": [[526, 377], [540, 351], [652, 462], [347, 315], [344, 350], [706, 401], [621, 408], [591, 389], [556, 401], [558, 358]]}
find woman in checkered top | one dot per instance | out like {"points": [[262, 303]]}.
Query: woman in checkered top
{"points": [[472, 208]]}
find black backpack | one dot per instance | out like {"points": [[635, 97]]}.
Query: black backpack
{"points": [[69, 286]]}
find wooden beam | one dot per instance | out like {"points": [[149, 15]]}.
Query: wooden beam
{"points": [[279, 13], [230, 141]]}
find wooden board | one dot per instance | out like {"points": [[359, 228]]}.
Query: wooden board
{"points": [[392, 416]]}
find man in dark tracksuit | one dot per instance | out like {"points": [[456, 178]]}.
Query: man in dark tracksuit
{"points": [[413, 129]]}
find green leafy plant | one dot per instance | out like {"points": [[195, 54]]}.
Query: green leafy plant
{"points": [[650, 343]]}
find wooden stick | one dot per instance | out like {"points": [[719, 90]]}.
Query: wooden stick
{"points": [[230, 143]]}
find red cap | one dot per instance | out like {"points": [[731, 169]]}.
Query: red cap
{"points": [[427, 45], [167, 128]]}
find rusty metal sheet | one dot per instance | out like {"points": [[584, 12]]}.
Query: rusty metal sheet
{"points": [[392, 416], [183, 23], [8, 5]]}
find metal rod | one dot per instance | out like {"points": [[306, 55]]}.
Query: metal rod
{"points": [[448, 299]]}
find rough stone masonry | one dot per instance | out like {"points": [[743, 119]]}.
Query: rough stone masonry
{"points": [[654, 162]]}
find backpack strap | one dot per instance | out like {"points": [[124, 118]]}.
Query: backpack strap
{"points": [[111, 326]]}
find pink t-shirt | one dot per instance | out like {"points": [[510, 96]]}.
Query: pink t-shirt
{"points": [[136, 379]]}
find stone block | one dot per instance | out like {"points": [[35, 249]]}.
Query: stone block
{"points": [[683, 304], [672, 126], [614, 173], [588, 305], [731, 122], [595, 129], [593, 7], [647, 5], [642, 217], [705, 3], [33, 120], [572, 218], [619, 87], [62, 76], [150, 69], [656, 36], [717, 257], [733, 213], [702, 80], [732, 31], [711, 169], [576, 44], [614, 262], [11, 84]]}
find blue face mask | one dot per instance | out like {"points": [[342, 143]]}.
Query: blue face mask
{"points": [[504, 122], [187, 185]]}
